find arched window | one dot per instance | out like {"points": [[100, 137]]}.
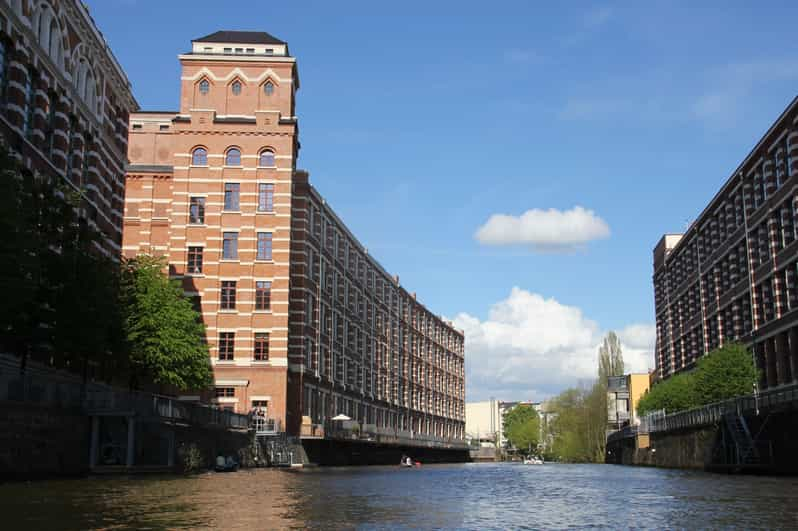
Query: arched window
{"points": [[266, 158], [204, 87], [233, 157], [199, 157], [236, 88], [268, 88]]}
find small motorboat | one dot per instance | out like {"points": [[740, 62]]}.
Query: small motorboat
{"points": [[533, 461]]}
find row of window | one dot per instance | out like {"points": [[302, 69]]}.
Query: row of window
{"points": [[229, 250], [235, 87], [232, 157], [263, 295], [232, 201], [227, 342]]}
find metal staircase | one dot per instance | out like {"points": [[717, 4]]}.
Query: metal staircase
{"points": [[746, 453], [277, 449]]}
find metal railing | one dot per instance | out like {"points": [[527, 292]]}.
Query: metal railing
{"points": [[265, 426], [713, 413], [354, 431], [147, 405], [45, 386]]}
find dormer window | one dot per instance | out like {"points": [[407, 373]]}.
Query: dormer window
{"points": [[269, 51], [239, 50], [204, 87], [208, 49], [250, 50], [268, 88], [236, 88], [228, 50]]}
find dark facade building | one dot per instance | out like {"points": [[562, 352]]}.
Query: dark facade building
{"points": [[64, 105], [732, 275]]}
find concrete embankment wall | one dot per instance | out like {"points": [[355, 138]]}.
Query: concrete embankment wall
{"points": [[701, 448], [328, 452], [40, 441]]}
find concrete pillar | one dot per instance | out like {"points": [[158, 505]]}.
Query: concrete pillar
{"points": [[792, 350], [94, 442], [771, 375], [783, 355], [131, 441]]}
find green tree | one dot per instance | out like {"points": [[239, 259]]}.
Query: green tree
{"points": [[725, 373], [59, 290], [521, 427], [610, 357], [164, 334], [677, 393]]}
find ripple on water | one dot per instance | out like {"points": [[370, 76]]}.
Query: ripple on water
{"points": [[473, 496]]}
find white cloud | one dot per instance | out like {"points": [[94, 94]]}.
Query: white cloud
{"points": [[531, 347], [544, 230]]}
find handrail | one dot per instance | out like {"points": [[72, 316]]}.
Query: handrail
{"points": [[713, 413]]}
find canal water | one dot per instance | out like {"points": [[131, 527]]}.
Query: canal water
{"points": [[470, 496]]}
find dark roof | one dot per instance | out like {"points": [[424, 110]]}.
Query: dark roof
{"points": [[243, 37]]}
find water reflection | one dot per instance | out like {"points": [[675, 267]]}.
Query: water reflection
{"points": [[484, 496]]}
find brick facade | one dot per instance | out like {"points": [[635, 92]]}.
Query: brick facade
{"points": [[300, 318], [64, 105], [732, 275]]}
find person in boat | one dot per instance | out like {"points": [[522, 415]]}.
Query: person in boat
{"points": [[409, 461], [220, 461]]}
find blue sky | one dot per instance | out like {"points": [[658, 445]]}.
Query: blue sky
{"points": [[421, 120]]}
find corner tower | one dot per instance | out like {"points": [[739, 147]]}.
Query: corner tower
{"points": [[234, 145]]}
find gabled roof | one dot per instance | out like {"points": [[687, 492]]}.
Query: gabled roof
{"points": [[241, 37]]}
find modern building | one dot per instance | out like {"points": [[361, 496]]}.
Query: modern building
{"points": [[64, 106], [302, 322], [623, 394], [732, 275], [483, 423]]}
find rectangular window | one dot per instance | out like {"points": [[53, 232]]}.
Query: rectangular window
{"points": [[228, 297], [231, 196], [230, 246], [263, 295], [264, 246], [194, 260], [265, 197], [261, 346], [226, 345], [250, 50], [196, 211], [225, 392]]}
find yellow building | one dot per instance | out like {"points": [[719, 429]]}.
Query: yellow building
{"points": [[623, 394]]}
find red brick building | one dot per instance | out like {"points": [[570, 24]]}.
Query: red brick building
{"points": [[300, 319], [64, 105], [732, 275]]}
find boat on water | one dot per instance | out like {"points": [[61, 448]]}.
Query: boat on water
{"points": [[533, 461]]}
